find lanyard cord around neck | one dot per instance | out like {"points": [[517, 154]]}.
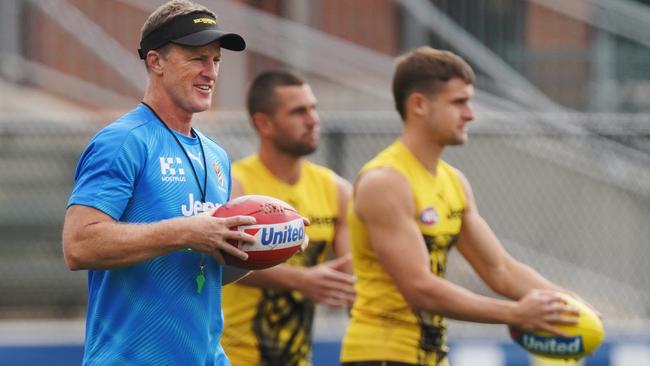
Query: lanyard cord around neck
{"points": [[203, 190]]}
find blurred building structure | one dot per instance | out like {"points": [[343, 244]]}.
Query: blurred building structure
{"points": [[586, 55]]}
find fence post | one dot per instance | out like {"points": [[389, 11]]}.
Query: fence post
{"points": [[335, 149]]}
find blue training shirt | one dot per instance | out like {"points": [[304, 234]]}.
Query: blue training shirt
{"points": [[151, 313]]}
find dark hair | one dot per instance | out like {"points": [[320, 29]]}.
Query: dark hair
{"points": [[261, 94], [422, 70]]}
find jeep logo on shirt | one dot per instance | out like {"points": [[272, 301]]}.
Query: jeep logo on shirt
{"points": [[193, 207]]}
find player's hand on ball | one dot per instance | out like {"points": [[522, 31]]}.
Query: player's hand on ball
{"points": [[209, 234], [542, 310], [305, 241], [278, 232], [578, 339]]}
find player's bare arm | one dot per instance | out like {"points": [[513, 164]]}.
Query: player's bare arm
{"points": [[384, 201], [500, 271], [324, 283], [341, 242], [483, 250], [93, 240]]}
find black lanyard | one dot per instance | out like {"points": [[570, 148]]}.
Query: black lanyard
{"points": [[203, 190]]}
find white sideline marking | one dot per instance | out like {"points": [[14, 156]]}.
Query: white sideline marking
{"points": [[477, 355], [41, 332], [630, 355]]}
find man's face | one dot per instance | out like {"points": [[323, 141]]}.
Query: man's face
{"points": [[450, 111], [296, 126], [189, 75]]}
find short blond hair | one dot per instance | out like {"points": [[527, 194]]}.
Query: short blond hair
{"points": [[169, 11]]}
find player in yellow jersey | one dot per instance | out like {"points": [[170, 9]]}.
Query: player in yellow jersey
{"points": [[268, 315], [409, 209]]}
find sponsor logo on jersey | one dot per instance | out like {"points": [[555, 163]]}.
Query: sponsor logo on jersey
{"points": [[552, 345], [290, 232], [193, 207], [455, 214], [221, 177], [429, 216], [171, 169], [326, 221], [196, 158]]}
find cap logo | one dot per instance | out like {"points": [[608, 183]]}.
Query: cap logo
{"points": [[205, 21]]}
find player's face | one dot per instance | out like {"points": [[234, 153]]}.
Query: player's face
{"points": [[296, 126], [189, 76], [450, 112]]}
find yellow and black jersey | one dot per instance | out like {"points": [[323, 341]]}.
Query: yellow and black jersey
{"points": [[273, 327], [383, 326]]}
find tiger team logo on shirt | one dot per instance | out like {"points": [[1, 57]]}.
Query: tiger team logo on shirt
{"points": [[429, 216], [218, 171]]}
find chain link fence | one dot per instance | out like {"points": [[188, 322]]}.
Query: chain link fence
{"points": [[567, 194]]}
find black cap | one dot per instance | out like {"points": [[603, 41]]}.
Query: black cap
{"points": [[195, 29]]}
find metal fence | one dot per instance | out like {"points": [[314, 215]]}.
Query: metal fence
{"points": [[567, 194]]}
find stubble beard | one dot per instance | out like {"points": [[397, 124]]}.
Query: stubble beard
{"points": [[294, 148]]}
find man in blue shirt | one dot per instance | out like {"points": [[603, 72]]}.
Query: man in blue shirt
{"points": [[139, 217]]}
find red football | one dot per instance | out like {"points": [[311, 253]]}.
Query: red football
{"points": [[279, 230]]}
